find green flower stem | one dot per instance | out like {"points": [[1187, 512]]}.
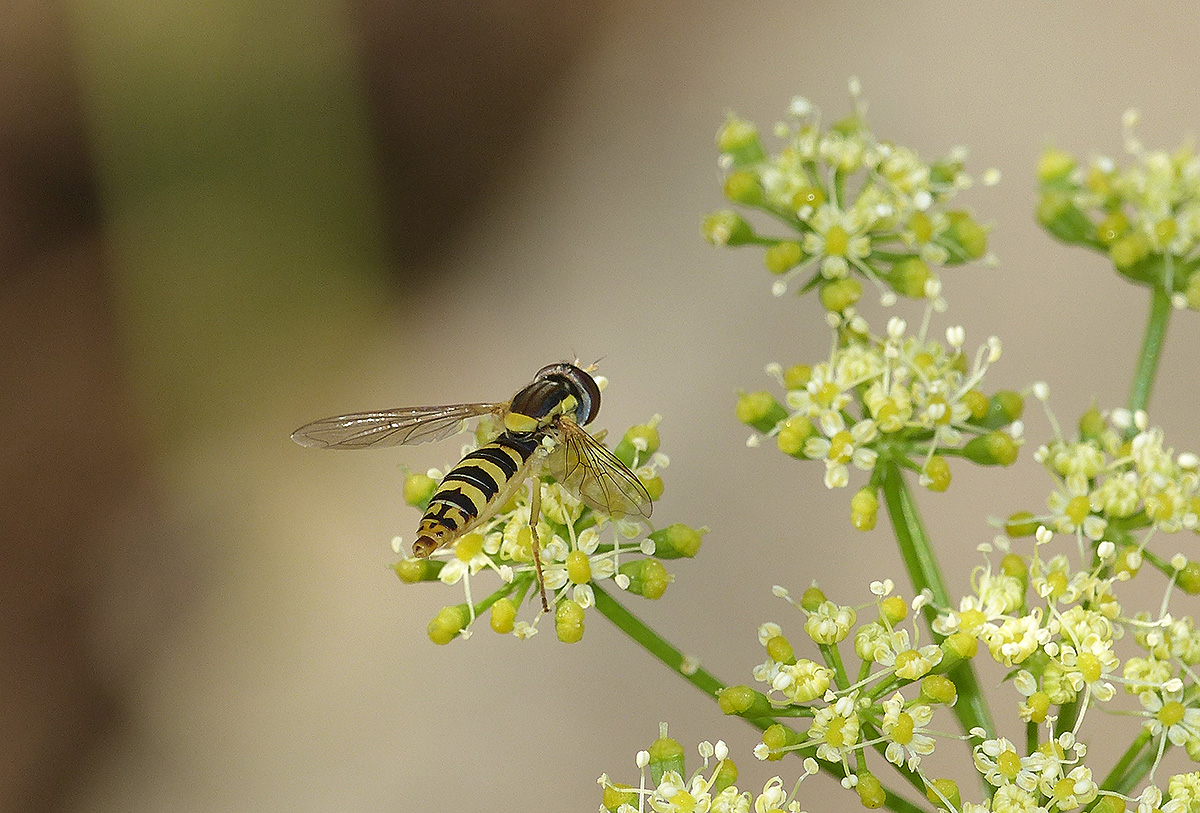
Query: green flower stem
{"points": [[1031, 737], [917, 552], [658, 646], [1152, 344], [1117, 774], [1068, 713], [1138, 770], [833, 659], [653, 643]]}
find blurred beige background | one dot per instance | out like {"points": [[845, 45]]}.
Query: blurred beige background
{"points": [[220, 221]]}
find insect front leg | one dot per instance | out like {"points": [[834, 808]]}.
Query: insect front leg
{"points": [[535, 514]]}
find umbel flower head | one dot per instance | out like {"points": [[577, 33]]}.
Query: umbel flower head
{"points": [[711, 788], [578, 548], [900, 397], [851, 207], [1144, 216], [1118, 482]]}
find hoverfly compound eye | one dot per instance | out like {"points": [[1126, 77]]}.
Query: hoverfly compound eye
{"points": [[582, 386]]}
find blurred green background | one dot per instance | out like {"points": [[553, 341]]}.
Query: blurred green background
{"points": [[220, 220]]}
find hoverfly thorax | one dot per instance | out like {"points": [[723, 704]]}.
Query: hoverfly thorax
{"points": [[558, 389]]}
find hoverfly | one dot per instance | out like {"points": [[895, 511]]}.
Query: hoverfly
{"points": [[556, 405]]}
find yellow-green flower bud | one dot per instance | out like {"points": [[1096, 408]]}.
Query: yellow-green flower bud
{"points": [[1192, 746], [666, 754], [807, 197], [968, 239], [637, 444], [726, 776], [1059, 215], [945, 789], [776, 738], [1112, 228], [870, 791], [677, 541], [1192, 292], [864, 509], [937, 473], [840, 294], [1015, 566], [977, 403], [812, 598], [1112, 804], [908, 277], [744, 702], [993, 449], [727, 228], [418, 488], [1129, 250], [448, 623], [579, 567], [793, 434], [783, 256], [779, 649], [1129, 560], [504, 613], [617, 795], [1099, 181], [1022, 523], [468, 546], [647, 577], [742, 186], [1054, 165], [829, 623], [738, 139], [1039, 706], [568, 621], [957, 647], [413, 570], [1091, 424], [921, 227], [760, 410], [939, 689], [1189, 578], [893, 610], [797, 376], [654, 486], [1006, 407]]}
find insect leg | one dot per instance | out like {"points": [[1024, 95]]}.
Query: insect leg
{"points": [[535, 514]]}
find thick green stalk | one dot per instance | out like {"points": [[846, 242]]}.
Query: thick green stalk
{"points": [[1117, 774], [1152, 344], [654, 643], [919, 559], [660, 648]]}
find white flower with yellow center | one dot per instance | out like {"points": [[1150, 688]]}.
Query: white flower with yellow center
{"points": [[842, 446], [905, 730], [836, 728], [1000, 764], [1167, 715], [1071, 509], [802, 681], [839, 238], [1016, 639]]}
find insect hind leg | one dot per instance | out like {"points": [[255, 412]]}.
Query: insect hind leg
{"points": [[535, 514]]}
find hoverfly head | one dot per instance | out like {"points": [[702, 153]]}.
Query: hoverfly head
{"points": [[580, 384]]}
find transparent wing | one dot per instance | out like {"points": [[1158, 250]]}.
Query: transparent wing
{"points": [[595, 475], [391, 427]]}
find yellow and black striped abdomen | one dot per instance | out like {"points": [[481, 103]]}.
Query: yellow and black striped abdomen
{"points": [[472, 491]]}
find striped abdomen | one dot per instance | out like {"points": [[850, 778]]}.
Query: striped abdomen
{"points": [[482, 481]]}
